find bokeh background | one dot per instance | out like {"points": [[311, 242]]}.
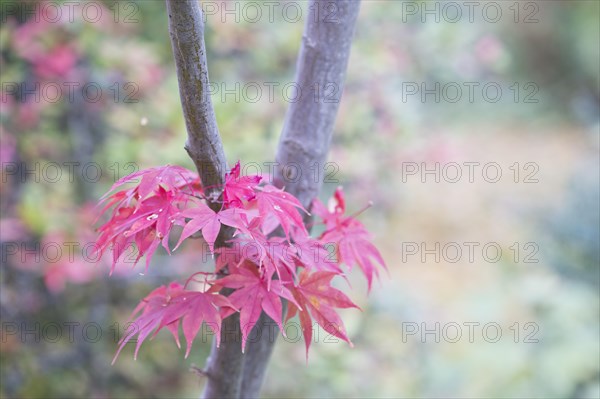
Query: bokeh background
{"points": [[542, 133]]}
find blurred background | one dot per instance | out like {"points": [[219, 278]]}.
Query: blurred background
{"points": [[474, 129]]}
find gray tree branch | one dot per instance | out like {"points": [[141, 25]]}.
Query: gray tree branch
{"points": [[307, 131], [186, 29], [204, 146], [321, 66]]}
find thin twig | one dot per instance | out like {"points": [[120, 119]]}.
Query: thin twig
{"points": [[199, 371]]}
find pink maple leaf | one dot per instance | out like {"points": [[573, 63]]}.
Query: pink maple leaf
{"points": [[146, 213], [313, 255], [169, 176], [252, 295], [209, 222], [146, 224], [239, 188], [353, 241], [274, 202], [317, 298], [167, 307]]}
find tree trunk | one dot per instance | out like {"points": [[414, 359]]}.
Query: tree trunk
{"points": [[304, 143]]}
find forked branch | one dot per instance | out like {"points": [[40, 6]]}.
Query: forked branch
{"points": [[304, 143]]}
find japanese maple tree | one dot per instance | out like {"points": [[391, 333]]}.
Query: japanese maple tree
{"points": [[261, 268], [267, 268]]}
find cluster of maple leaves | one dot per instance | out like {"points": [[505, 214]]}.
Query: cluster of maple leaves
{"points": [[260, 264]]}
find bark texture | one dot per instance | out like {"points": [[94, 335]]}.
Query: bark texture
{"points": [[308, 127], [203, 145], [304, 143], [321, 68], [186, 29]]}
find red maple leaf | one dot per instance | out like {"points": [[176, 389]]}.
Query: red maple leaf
{"points": [[205, 219], [121, 199], [239, 188], [274, 202], [354, 247], [152, 218], [352, 240], [171, 177], [146, 213], [254, 294], [157, 211], [313, 255], [270, 254], [317, 298], [166, 307], [334, 212]]}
